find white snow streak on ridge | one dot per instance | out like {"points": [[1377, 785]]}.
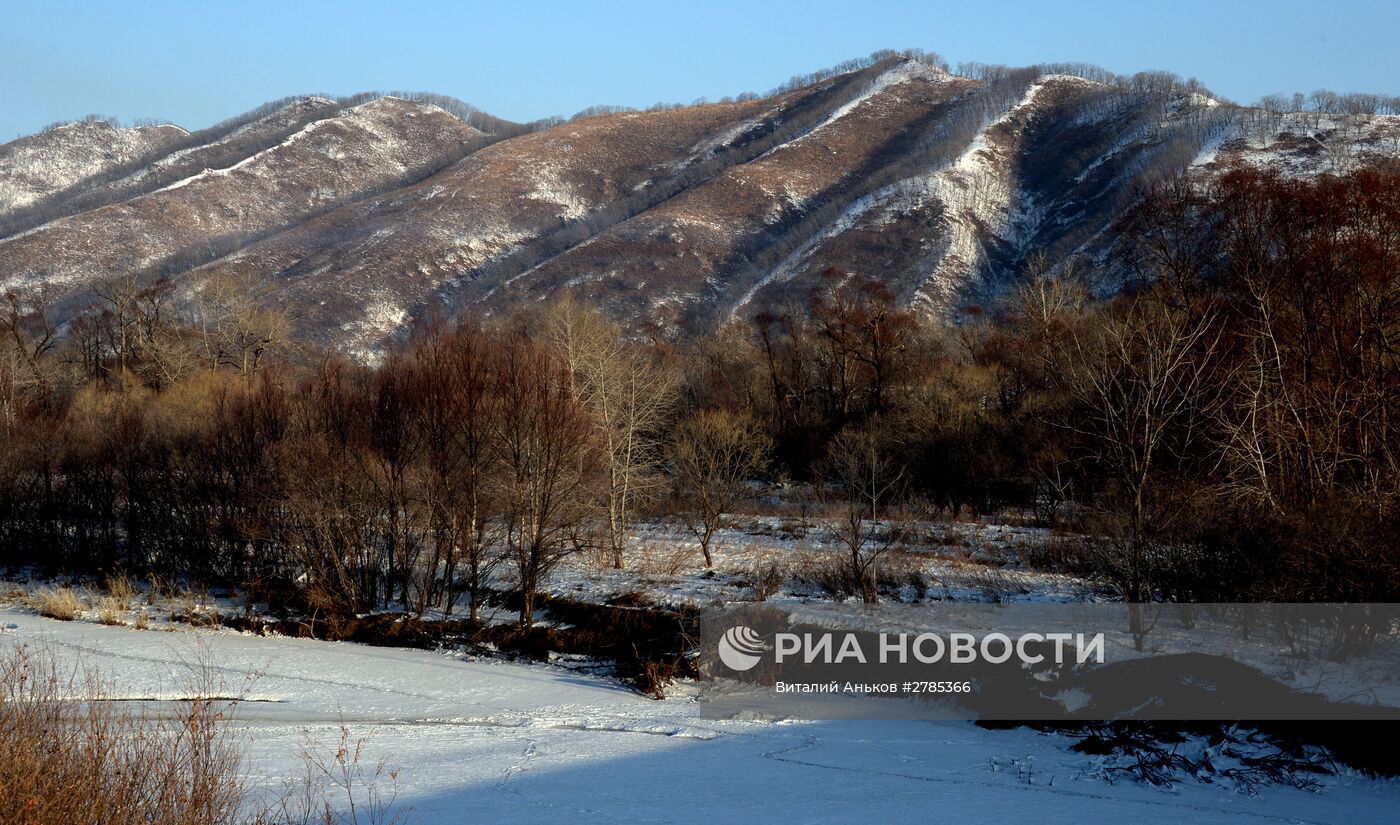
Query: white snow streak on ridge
{"points": [[706, 149], [292, 138], [894, 76], [786, 269], [363, 118], [54, 160], [247, 128], [979, 196], [906, 71], [956, 184]]}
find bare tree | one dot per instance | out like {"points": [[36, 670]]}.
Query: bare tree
{"points": [[393, 449], [116, 306], [871, 492], [458, 417], [241, 323], [549, 462], [1146, 386], [867, 339], [27, 336], [714, 454], [630, 397], [331, 523]]}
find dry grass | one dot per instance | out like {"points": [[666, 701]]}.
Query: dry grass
{"points": [[823, 569], [120, 588], [343, 776], [1060, 553], [110, 610], [70, 756], [62, 603], [898, 574], [67, 761], [665, 559], [995, 584], [154, 591]]}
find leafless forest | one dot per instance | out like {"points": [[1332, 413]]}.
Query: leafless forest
{"points": [[1228, 427]]}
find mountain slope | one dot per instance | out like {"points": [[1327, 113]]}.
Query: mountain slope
{"points": [[458, 237], [369, 148], [34, 167], [704, 249], [361, 217]]}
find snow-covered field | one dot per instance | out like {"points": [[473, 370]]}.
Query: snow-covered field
{"points": [[965, 561], [482, 740]]}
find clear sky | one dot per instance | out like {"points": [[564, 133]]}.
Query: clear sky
{"points": [[197, 62]]}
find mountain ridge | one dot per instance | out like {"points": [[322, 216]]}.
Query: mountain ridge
{"points": [[364, 216]]}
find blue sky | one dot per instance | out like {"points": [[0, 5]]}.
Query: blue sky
{"points": [[198, 62]]}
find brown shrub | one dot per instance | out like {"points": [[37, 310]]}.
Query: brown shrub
{"points": [[825, 571], [664, 558], [995, 584], [765, 579], [1058, 553]]}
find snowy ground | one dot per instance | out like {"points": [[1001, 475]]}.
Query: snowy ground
{"points": [[965, 561], [490, 741]]}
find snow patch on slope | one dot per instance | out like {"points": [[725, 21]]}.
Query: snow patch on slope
{"points": [[383, 315], [902, 73], [1303, 144], [975, 188], [550, 187], [37, 166], [980, 198]]}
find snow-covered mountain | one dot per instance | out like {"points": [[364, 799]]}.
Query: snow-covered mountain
{"points": [[364, 213], [36, 167]]}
